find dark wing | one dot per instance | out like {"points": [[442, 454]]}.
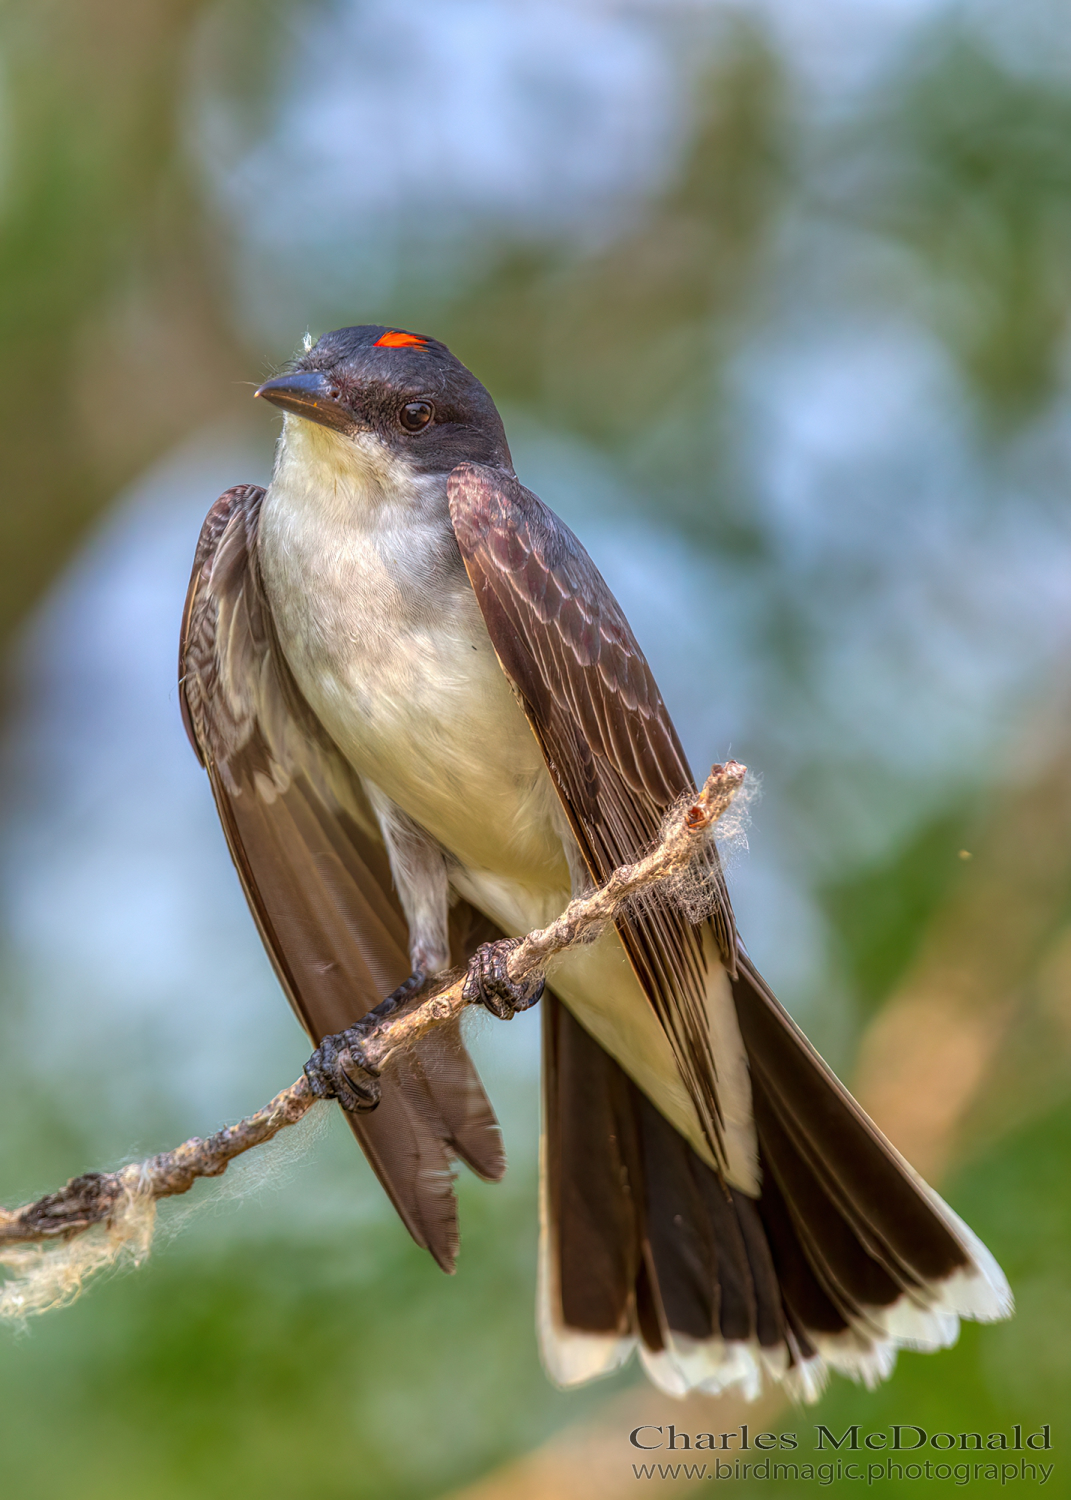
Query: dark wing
{"points": [[316, 874], [609, 743]]}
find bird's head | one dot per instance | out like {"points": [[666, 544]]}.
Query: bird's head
{"points": [[394, 398]]}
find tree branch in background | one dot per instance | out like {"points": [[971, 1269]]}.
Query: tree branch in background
{"points": [[104, 1218]]}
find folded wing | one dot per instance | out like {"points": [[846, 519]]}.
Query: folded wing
{"points": [[316, 875], [609, 742]]}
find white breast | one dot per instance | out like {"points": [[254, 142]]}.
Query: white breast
{"points": [[384, 635]]}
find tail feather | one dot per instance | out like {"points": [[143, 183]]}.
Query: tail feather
{"points": [[697, 1252], [862, 1176], [844, 1256]]}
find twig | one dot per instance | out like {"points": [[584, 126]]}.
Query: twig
{"points": [[101, 1218], [583, 918]]}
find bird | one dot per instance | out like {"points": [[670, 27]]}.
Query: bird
{"points": [[427, 725]]}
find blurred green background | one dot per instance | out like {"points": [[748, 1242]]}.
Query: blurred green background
{"points": [[775, 299]]}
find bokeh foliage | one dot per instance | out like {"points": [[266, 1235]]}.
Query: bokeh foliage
{"points": [[337, 1360]]}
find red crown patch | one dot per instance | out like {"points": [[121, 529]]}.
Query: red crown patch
{"points": [[393, 340]]}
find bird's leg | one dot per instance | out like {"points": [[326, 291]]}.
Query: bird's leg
{"points": [[340, 1069], [489, 982]]}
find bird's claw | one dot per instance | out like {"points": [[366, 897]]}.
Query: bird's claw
{"points": [[339, 1069], [489, 982]]}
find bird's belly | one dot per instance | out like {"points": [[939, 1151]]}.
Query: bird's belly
{"points": [[422, 709], [455, 751]]}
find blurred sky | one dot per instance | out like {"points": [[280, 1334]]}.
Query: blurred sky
{"points": [[774, 298]]}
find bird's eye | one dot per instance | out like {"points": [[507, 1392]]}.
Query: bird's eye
{"points": [[415, 415]]}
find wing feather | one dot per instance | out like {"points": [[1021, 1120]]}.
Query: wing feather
{"points": [[608, 740], [316, 875]]}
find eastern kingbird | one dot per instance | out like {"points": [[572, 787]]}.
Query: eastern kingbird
{"points": [[426, 723]]}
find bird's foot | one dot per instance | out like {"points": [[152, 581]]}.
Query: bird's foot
{"points": [[489, 981], [340, 1067]]}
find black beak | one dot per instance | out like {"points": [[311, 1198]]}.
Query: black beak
{"points": [[314, 396]]}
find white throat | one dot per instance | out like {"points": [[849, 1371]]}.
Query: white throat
{"points": [[356, 477]]}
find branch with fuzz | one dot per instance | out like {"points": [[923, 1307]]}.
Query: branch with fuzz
{"points": [[103, 1219]]}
